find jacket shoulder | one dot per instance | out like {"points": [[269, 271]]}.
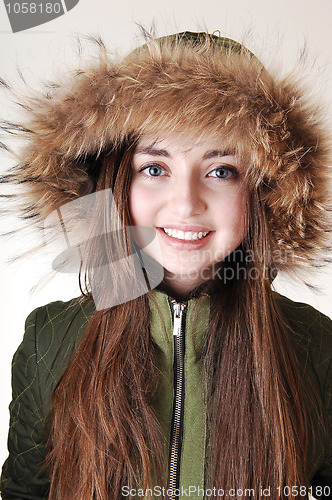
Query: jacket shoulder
{"points": [[307, 325], [56, 329], [311, 335]]}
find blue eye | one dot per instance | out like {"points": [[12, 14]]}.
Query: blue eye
{"points": [[223, 173], [153, 170]]}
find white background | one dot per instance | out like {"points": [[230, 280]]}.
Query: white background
{"points": [[277, 30]]}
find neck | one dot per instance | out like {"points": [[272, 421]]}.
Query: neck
{"points": [[182, 287]]}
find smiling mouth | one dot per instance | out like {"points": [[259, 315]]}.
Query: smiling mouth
{"points": [[185, 235]]}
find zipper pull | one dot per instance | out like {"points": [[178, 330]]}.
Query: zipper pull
{"points": [[178, 309]]}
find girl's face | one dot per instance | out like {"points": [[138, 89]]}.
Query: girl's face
{"points": [[194, 196]]}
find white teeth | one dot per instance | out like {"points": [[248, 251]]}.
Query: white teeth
{"points": [[185, 235]]}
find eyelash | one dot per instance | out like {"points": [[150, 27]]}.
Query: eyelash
{"points": [[231, 170], [146, 167]]}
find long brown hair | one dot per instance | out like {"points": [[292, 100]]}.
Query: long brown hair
{"points": [[104, 433]]}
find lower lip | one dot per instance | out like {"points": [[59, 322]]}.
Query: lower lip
{"points": [[184, 244]]}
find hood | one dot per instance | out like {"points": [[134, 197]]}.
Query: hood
{"points": [[198, 85]]}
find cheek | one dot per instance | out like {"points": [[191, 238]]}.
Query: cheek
{"points": [[140, 206], [234, 209], [134, 206]]}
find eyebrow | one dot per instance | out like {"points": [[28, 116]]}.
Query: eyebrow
{"points": [[152, 151], [217, 153]]}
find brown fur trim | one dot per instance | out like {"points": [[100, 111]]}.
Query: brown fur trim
{"points": [[195, 89]]}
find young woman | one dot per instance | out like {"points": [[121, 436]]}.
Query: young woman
{"points": [[190, 158]]}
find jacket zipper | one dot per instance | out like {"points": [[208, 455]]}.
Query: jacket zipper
{"points": [[178, 309]]}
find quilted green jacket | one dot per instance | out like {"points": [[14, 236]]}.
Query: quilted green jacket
{"points": [[52, 334]]}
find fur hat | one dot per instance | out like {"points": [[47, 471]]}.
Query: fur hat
{"points": [[199, 85]]}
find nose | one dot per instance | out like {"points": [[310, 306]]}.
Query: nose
{"points": [[187, 197]]}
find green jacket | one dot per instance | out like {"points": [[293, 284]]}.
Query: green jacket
{"points": [[52, 334]]}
